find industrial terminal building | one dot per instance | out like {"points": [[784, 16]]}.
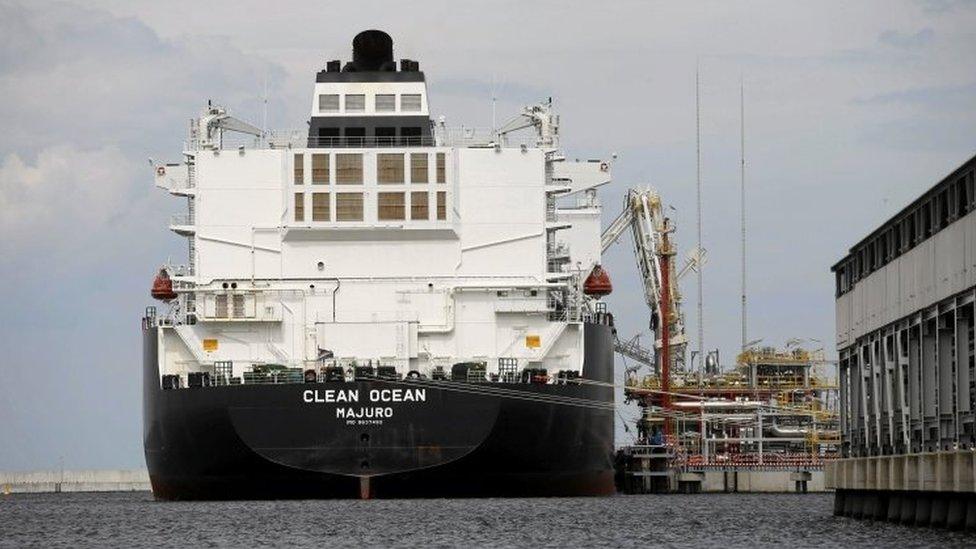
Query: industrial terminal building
{"points": [[905, 309]]}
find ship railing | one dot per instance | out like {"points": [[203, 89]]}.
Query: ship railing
{"points": [[195, 374], [461, 137], [181, 219]]}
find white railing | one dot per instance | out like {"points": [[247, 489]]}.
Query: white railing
{"points": [[211, 376], [181, 219], [441, 137]]}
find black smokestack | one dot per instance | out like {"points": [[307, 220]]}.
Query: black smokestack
{"points": [[372, 50]]}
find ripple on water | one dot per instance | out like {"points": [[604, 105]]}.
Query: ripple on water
{"points": [[712, 520]]}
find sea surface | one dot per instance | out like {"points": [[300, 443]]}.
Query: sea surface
{"points": [[711, 520]]}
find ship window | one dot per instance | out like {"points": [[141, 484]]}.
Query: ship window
{"points": [[220, 306], [238, 301], [389, 168], [320, 169], [385, 102], [355, 102], [418, 168], [410, 135], [349, 168], [410, 102], [355, 136], [385, 136], [328, 137], [329, 102], [441, 160], [320, 207], [418, 205], [441, 205], [391, 206], [349, 206], [299, 207], [299, 169]]}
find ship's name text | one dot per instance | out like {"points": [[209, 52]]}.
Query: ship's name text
{"points": [[374, 395]]}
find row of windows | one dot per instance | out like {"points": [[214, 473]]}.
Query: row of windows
{"points": [[360, 136], [391, 206], [382, 102], [934, 212], [391, 168]]}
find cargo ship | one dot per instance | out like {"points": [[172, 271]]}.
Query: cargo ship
{"points": [[380, 305]]}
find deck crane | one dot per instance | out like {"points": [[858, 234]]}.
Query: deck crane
{"points": [[210, 127], [643, 215], [540, 117]]}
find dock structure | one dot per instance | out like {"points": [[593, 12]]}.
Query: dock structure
{"points": [[769, 424], [907, 369], [57, 481]]}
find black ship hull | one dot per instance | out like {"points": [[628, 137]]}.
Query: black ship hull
{"points": [[382, 439]]}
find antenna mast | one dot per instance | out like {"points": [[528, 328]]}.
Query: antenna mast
{"points": [[742, 199], [701, 315], [494, 99], [264, 106]]}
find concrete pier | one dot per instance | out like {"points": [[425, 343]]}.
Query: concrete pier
{"points": [[116, 480], [933, 509], [892, 488]]}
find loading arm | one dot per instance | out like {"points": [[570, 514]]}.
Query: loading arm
{"points": [[642, 214]]}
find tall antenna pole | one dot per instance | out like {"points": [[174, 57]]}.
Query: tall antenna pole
{"points": [[264, 101], [494, 98], [701, 315], [742, 199]]}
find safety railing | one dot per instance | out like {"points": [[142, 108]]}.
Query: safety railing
{"points": [[440, 137], [753, 461], [181, 219], [221, 374]]}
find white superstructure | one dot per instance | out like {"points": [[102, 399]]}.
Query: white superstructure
{"points": [[365, 241]]}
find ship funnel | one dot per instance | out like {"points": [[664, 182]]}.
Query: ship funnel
{"points": [[372, 50]]}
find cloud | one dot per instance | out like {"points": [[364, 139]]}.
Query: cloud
{"points": [[78, 75], [953, 97], [65, 194], [87, 97], [905, 40], [945, 6]]}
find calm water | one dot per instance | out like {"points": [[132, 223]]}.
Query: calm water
{"points": [[714, 520]]}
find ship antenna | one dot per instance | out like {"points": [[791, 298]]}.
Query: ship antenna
{"points": [[701, 315], [494, 99], [264, 101]]}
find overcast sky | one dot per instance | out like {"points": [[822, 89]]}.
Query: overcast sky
{"points": [[852, 110]]}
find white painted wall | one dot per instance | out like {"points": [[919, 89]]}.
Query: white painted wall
{"points": [[937, 268], [419, 292]]}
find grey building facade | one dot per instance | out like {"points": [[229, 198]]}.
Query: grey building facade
{"points": [[907, 369]]}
